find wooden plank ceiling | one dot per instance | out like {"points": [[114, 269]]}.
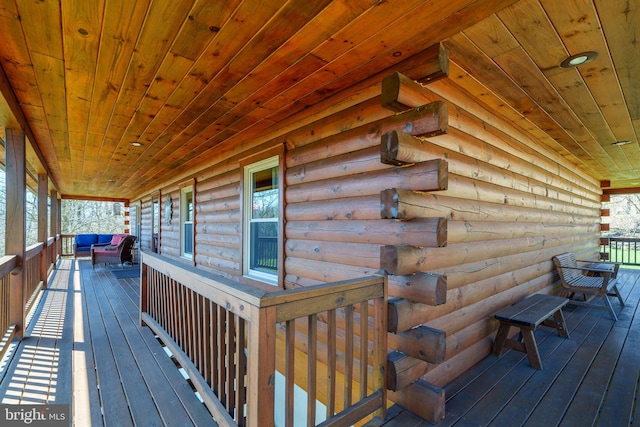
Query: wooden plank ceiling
{"points": [[182, 76]]}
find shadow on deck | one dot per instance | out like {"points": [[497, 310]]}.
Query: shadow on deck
{"points": [[591, 378], [85, 348]]}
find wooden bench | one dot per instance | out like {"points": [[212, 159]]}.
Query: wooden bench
{"points": [[590, 280], [527, 315]]}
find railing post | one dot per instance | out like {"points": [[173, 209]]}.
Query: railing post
{"points": [[380, 349], [261, 367], [144, 289]]}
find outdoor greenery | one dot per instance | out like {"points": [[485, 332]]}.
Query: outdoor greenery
{"points": [[78, 216]]}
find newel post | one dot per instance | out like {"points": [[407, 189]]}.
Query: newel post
{"points": [[261, 367], [16, 223]]}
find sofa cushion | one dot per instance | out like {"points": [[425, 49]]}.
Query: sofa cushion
{"points": [[104, 239], [85, 240], [117, 238]]}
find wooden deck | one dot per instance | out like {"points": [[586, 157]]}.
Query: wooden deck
{"points": [[85, 348], [591, 378]]}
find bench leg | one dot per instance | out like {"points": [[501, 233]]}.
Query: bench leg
{"points": [[610, 307], [501, 338], [532, 348], [616, 293], [561, 325]]}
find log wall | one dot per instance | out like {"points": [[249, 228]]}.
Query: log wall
{"points": [[465, 217]]}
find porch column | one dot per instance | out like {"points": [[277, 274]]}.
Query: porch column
{"points": [[16, 222], [53, 220]]}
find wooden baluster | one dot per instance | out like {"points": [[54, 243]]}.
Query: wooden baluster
{"points": [[187, 325], [312, 352], [230, 335], [331, 362], [348, 356], [241, 370], [199, 320], [364, 347], [214, 355], [207, 337], [173, 308], [181, 314], [222, 351], [290, 371]]}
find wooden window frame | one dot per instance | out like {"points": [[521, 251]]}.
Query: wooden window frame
{"points": [[190, 184], [244, 163]]}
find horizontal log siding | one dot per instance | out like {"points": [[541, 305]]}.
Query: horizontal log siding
{"points": [[145, 224], [511, 204], [170, 227], [218, 223]]}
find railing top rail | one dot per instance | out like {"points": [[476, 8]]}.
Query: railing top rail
{"points": [[295, 303], [7, 264], [33, 250], [624, 239]]}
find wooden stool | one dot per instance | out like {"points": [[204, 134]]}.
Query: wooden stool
{"points": [[527, 315]]}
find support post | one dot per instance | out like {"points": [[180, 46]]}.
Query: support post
{"points": [[53, 220], [16, 222]]}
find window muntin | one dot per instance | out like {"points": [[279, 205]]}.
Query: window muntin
{"points": [[261, 204]]}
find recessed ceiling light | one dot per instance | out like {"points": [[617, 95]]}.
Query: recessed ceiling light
{"points": [[622, 142], [136, 144], [578, 59]]}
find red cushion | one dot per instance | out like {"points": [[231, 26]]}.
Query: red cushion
{"points": [[117, 238]]}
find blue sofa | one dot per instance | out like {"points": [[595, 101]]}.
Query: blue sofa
{"points": [[83, 242]]}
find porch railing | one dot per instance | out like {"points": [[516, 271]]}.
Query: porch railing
{"points": [[7, 329], [625, 250], [39, 261], [236, 341], [35, 280], [66, 244]]}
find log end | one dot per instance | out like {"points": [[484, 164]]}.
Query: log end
{"points": [[389, 204], [443, 175], [424, 399], [389, 147]]}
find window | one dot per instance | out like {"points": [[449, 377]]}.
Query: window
{"points": [[261, 220], [155, 223], [186, 221]]}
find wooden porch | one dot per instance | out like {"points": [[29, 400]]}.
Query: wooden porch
{"points": [[589, 379], [85, 348]]}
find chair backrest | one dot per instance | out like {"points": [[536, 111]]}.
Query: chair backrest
{"points": [[567, 259], [125, 247]]}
